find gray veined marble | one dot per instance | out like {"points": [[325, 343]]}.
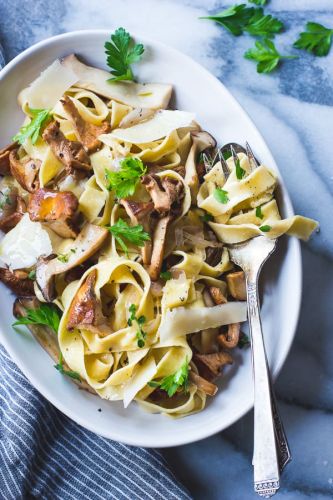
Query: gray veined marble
{"points": [[292, 109]]}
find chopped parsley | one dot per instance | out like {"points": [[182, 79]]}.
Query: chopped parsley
{"points": [[46, 314], [166, 275], [63, 257], [32, 274], [259, 213], [265, 229], [266, 55], [244, 341], [124, 181], [258, 2], [33, 129], [316, 39], [140, 334], [240, 172], [134, 234], [121, 52], [69, 373], [206, 217], [221, 195], [172, 383]]}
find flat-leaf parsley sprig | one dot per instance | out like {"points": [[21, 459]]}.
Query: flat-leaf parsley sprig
{"points": [[134, 234], [124, 181], [266, 55], [172, 383], [69, 373], [46, 314], [33, 129], [140, 334], [121, 52], [316, 39]]}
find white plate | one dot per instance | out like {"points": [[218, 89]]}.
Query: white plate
{"points": [[217, 111]]}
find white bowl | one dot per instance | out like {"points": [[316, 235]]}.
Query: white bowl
{"points": [[217, 111]]}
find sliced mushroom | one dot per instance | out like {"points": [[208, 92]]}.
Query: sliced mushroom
{"points": [[12, 208], [87, 132], [86, 244], [25, 171], [4, 158], [44, 335], [210, 365], [166, 192], [200, 142], [70, 153], [203, 384], [230, 339], [137, 115], [140, 213], [55, 208], [237, 285], [86, 309], [217, 295], [158, 247], [18, 281]]}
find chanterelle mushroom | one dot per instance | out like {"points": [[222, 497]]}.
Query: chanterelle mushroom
{"points": [[12, 207], [86, 244], [71, 153], [230, 339], [87, 132], [57, 208], [203, 384], [139, 213], [18, 281], [25, 171], [210, 365], [4, 158]]}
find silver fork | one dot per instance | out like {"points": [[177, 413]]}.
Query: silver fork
{"points": [[271, 449]]}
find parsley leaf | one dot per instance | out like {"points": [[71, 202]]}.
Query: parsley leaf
{"points": [[265, 228], [221, 195], [63, 371], [206, 217], [140, 334], [45, 314], [134, 234], [234, 19], [124, 181], [166, 275], [171, 383], [34, 128], [261, 24], [32, 274], [258, 2], [240, 172], [63, 257], [244, 341], [266, 55], [317, 39], [259, 213], [121, 52]]}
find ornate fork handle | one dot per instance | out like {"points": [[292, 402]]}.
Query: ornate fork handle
{"points": [[265, 456]]}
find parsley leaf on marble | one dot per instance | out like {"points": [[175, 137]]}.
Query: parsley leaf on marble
{"points": [[258, 2], [121, 52], [171, 383], [317, 39], [262, 24], [221, 195], [34, 127], [266, 55]]}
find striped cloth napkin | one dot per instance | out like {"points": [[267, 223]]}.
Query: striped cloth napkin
{"points": [[45, 455]]}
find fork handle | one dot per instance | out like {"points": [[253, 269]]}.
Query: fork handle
{"points": [[265, 456]]}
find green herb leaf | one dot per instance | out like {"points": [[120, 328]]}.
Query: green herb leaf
{"points": [[234, 19], [258, 2], [221, 195], [244, 341], [124, 181], [226, 155], [134, 234], [265, 229], [240, 172], [32, 275], [46, 314], [261, 24], [266, 55], [121, 52], [259, 213], [206, 217], [317, 39], [63, 257], [63, 371], [172, 383], [166, 275], [140, 334], [34, 128]]}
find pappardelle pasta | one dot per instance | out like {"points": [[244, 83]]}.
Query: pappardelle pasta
{"points": [[118, 215]]}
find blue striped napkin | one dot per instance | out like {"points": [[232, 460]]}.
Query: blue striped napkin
{"points": [[43, 454]]}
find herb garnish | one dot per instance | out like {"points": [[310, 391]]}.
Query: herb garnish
{"points": [[124, 181], [265, 229], [240, 172], [165, 275], [206, 217], [244, 341], [133, 234], [259, 213], [63, 257], [63, 371], [140, 334], [32, 274], [121, 52], [45, 314], [266, 55], [171, 383], [221, 195], [258, 2], [317, 39], [34, 128]]}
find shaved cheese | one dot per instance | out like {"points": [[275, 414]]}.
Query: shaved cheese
{"points": [[161, 125], [48, 88], [181, 321], [143, 374], [22, 246], [150, 95]]}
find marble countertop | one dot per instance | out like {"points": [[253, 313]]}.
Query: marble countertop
{"points": [[293, 110]]}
